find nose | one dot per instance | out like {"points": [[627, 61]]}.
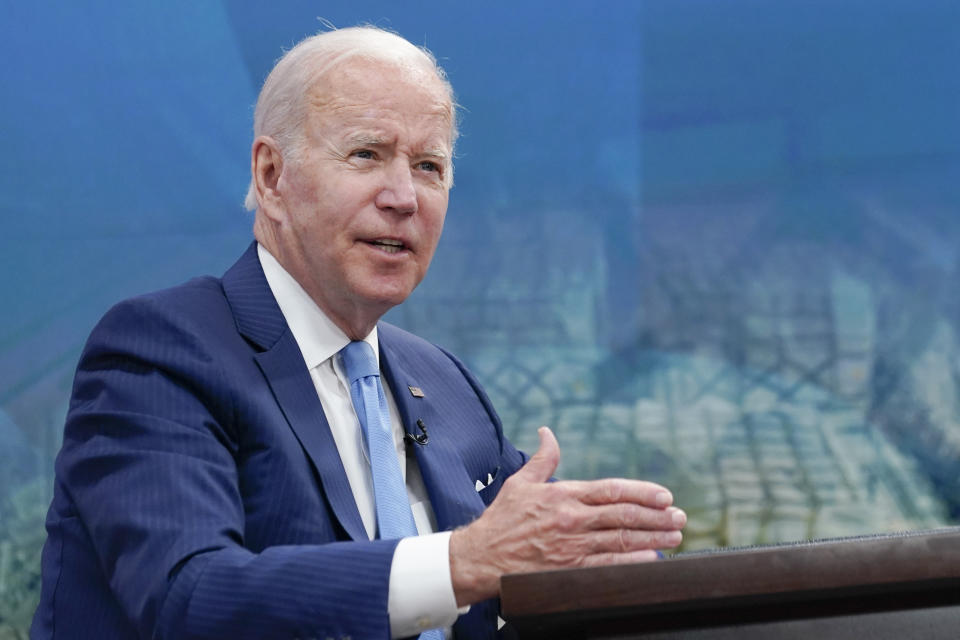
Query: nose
{"points": [[398, 192]]}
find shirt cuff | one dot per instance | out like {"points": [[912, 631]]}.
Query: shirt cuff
{"points": [[421, 591]]}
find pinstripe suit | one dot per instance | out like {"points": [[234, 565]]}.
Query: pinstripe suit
{"points": [[199, 492]]}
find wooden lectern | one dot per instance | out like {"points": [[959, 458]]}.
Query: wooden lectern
{"points": [[901, 586]]}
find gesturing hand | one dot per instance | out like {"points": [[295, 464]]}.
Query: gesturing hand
{"points": [[535, 525]]}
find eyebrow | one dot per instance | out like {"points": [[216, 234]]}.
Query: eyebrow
{"points": [[439, 154], [371, 140], [365, 139]]}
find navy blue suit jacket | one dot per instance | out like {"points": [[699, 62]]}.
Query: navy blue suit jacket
{"points": [[199, 491]]}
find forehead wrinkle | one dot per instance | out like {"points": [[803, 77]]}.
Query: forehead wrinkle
{"points": [[339, 88], [332, 97], [354, 112], [377, 134]]}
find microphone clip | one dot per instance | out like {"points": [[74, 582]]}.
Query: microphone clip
{"points": [[421, 438]]}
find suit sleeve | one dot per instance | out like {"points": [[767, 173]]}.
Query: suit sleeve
{"points": [[148, 461]]}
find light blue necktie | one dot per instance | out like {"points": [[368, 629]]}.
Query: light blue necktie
{"points": [[394, 518]]}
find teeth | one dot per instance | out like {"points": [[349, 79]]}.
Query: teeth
{"points": [[389, 245]]}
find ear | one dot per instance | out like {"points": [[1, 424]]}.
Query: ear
{"points": [[266, 166]]}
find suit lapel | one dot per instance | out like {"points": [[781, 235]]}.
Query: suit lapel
{"points": [[293, 388], [452, 491], [259, 318]]}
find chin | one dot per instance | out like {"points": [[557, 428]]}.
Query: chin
{"points": [[387, 296], [394, 287]]}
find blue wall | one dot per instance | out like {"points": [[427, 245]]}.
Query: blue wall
{"points": [[712, 244]]}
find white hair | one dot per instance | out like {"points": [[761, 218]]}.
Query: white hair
{"points": [[282, 105]]}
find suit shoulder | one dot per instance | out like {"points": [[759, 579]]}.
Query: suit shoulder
{"points": [[196, 297], [195, 308], [418, 352], [202, 290], [409, 344]]}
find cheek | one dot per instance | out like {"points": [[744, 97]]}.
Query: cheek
{"points": [[296, 184], [437, 213]]}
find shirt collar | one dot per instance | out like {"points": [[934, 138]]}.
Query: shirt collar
{"points": [[316, 334]]}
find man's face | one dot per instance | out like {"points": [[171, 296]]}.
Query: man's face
{"points": [[364, 202]]}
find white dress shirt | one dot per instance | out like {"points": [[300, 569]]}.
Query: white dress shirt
{"points": [[420, 593]]}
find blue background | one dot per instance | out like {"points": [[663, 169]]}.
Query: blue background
{"points": [[712, 244]]}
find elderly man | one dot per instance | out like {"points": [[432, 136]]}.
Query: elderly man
{"points": [[258, 456]]}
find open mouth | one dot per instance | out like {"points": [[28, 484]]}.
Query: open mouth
{"points": [[388, 245]]}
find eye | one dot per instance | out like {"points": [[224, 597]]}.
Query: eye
{"points": [[428, 165], [363, 154]]}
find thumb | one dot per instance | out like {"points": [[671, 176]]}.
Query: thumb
{"points": [[543, 464]]}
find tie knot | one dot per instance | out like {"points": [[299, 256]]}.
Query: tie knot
{"points": [[359, 361]]}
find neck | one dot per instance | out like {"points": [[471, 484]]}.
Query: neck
{"points": [[355, 320], [356, 328]]}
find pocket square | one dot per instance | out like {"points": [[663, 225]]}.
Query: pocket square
{"points": [[481, 485]]}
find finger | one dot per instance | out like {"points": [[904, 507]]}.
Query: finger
{"points": [[543, 464], [631, 516], [633, 557], [620, 541], [614, 490]]}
